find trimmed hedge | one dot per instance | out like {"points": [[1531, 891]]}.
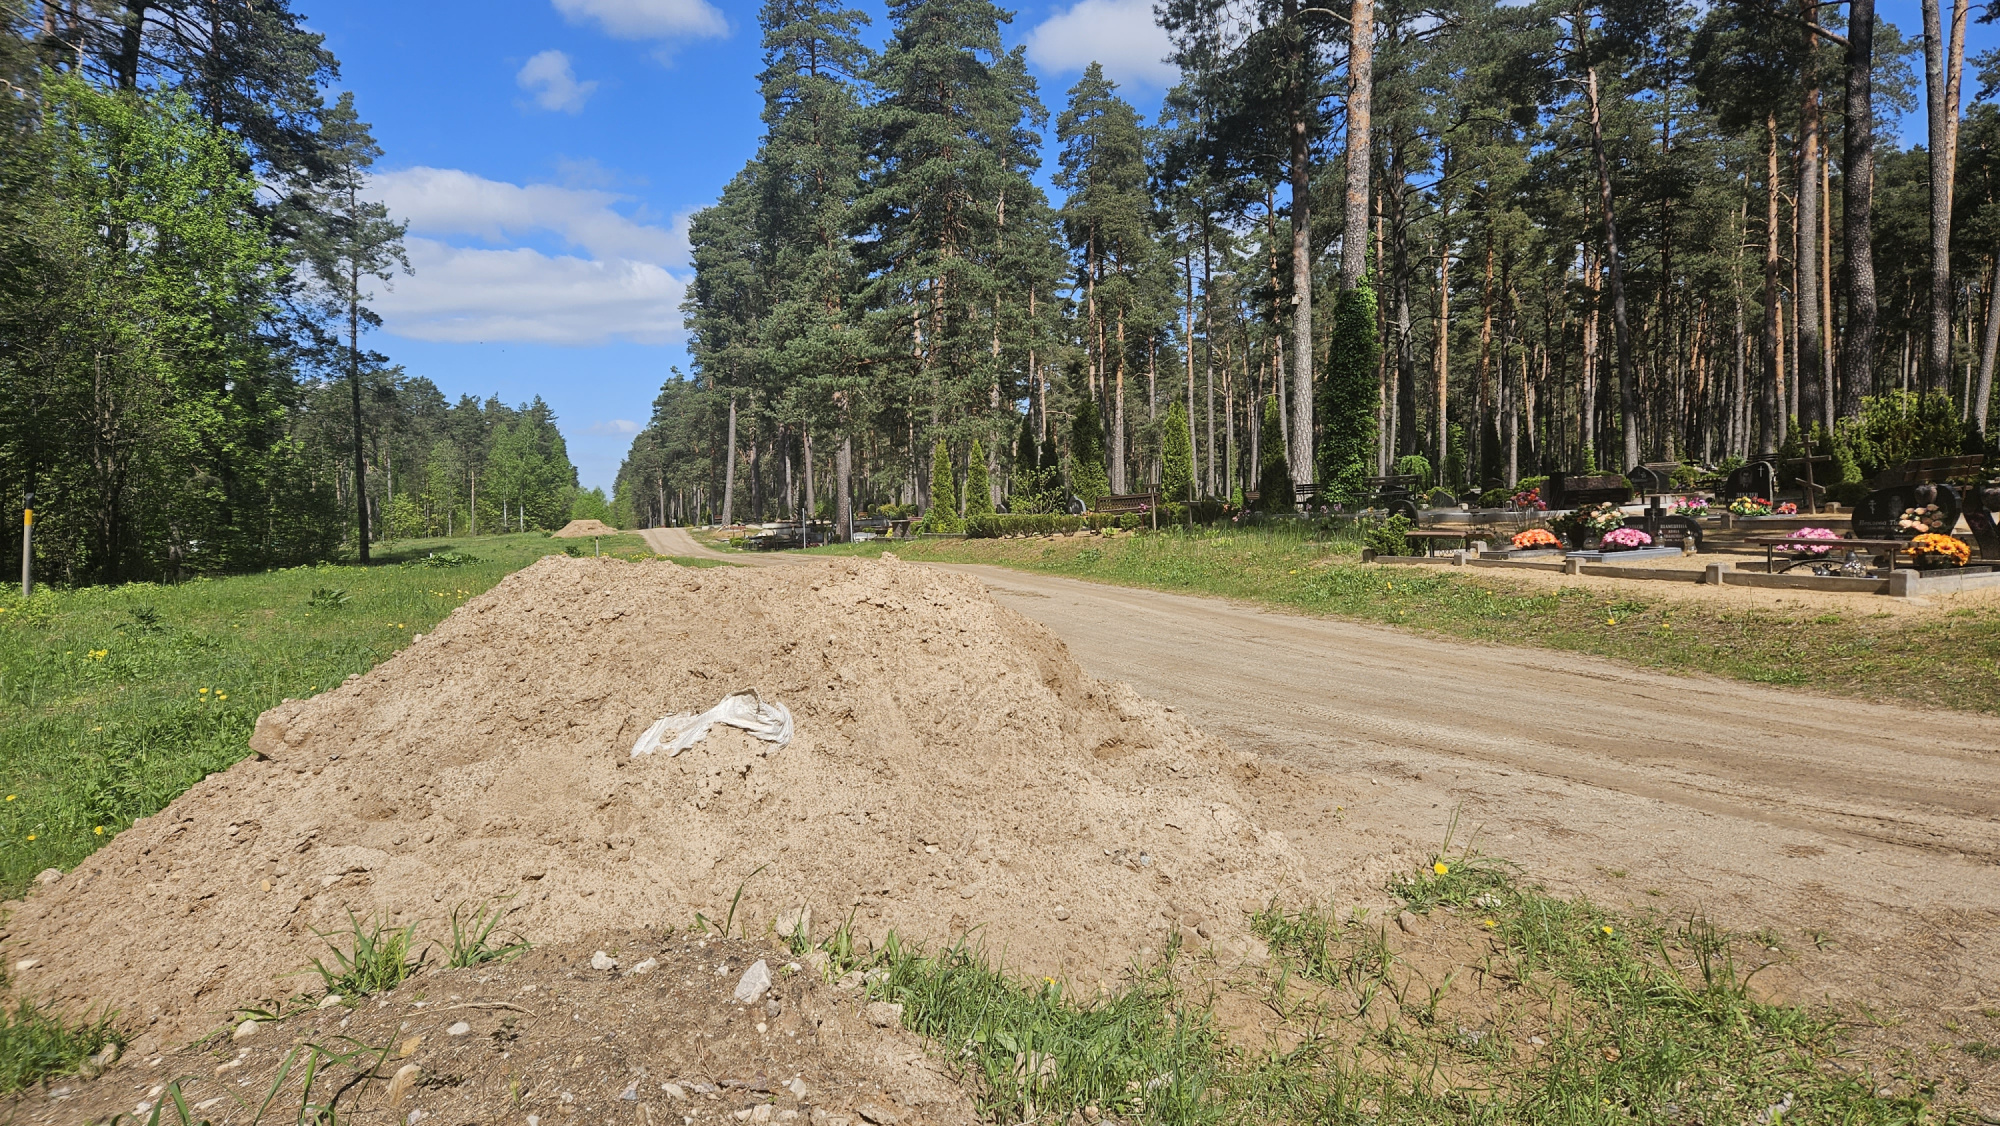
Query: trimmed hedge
{"points": [[993, 525]]}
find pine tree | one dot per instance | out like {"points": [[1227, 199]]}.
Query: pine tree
{"points": [[978, 486], [1347, 395], [1274, 476], [1176, 458]]}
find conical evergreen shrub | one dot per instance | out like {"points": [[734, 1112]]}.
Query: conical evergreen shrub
{"points": [[978, 491], [1274, 477]]}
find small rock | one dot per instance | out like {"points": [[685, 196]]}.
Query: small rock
{"points": [[646, 966], [408, 1047], [400, 1084], [797, 921], [329, 1001], [631, 1093], [244, 1031], [1062, 914], [416, 1115], [760, 1113], [674, 1090], [797, 1087], [49, 876], [876, 1113], [773, 1009], [26, 964], [754, 982], [603, 961], [459, 1029], [883, 1014], [227, 1066], [1406, 922], [852, 979]]}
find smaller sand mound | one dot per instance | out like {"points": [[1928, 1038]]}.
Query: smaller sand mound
{"points": [[584, 529], [953, 769]]}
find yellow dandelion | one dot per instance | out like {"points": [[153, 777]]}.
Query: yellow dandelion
{"points": [[31, 836], [1441, 868], [1607, 930], [1489, 923], [10, 797], [99, 830], [204, 691], [1611, 621], [1293, 571], [222, 695]]}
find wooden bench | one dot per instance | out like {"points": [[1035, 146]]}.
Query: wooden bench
{"points": [[1888, 549], [1119, 504]]}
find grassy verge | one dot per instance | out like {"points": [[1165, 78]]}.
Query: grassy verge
{"points": [[1526, 1009], [113, 700], [1943, 659]]}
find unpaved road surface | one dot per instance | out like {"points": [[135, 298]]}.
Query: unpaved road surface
{"points": [[1861, 837]]}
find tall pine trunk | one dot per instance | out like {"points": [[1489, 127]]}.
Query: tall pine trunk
{"points": [[1768, 404], [1857, 188], [1943, 64], [1300, 451], [1360, 108], [1628, 391], [1806, 222]]}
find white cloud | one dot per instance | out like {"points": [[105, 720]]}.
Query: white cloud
{"points": [[624, 289], [1120, 34], [647, 19], [465, 295], [448, 201], [615, 426], [549, 77]]}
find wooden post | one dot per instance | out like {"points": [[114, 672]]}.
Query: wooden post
{"points": [[28, 547]]}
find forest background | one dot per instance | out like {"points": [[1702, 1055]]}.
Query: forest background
{"points": [[188, 253], [1478, 242], [1471, 241]]}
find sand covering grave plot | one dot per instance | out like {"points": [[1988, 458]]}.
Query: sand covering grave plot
{"points": [[953, 768], [584, 529]]}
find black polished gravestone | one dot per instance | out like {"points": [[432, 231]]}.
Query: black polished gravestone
{"points": [[1981, 505], [1875, 518], [1757, 479]]}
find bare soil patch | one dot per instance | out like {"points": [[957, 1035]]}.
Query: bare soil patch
{"points": [[953, 768], [548, 1035]]}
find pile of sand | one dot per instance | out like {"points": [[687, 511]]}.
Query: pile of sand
{"points": [[952, 768], [584, 529]]}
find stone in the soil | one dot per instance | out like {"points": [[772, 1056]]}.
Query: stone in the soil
{"points": [[1406, 922], [49, 876], [755, 982], [400, 1084], [603, 961], [244, 1031], [459, 1029], [884, 1014]]}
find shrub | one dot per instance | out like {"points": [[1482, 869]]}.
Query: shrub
{"points": [[1391, 537], [1087, 477], [1346, 395], [978, 487], [1274, 477], [1418, 466], [943, 513], [1176, 456], [993, 525]]}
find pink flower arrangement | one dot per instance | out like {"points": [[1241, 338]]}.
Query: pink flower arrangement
{"points": [[1814, 534], [1530, 498], [1788, 509], [1619, 539]]}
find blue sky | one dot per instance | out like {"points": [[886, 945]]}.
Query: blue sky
{"points": [[546, 154]]}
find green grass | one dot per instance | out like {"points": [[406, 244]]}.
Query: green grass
{"points": [[37, 1043], [376, 957], [1541, 1011], [1559, 1012], [114, 700], [1925, 659]]}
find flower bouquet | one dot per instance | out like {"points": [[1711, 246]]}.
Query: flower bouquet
{"points": [[1534, 538], [1531, 499], [1922, 521], [1933, 550], [1788, 509], [1750, 506], [1625, 539], [1580, 525], [1813, 534], [1690, 506]]}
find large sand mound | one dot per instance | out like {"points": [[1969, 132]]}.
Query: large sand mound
{"points": [[583, 529], [952, 768]]}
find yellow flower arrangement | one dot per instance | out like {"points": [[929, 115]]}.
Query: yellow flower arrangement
{"points": [[1947, 547]]}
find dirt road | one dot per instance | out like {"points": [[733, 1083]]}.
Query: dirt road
{"points": [[1862, 837]]}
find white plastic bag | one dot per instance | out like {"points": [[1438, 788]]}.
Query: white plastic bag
{"points": [[771, 722]]}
